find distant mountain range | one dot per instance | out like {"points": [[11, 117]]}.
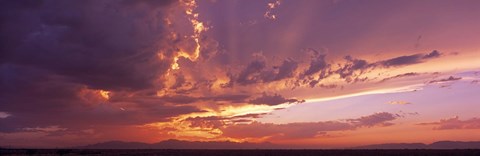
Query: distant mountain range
{"points": [[435, 145], [179, 144]]}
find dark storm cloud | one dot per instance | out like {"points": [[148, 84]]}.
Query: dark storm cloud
{"points": [[272, 100], [56, 55], [97, 43], [38, 98]]}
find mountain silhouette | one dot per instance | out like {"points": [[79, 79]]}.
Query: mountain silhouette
{"points": [[435, 145], [455, 145], [180, 144]]}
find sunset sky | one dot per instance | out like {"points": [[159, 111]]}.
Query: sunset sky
{"points": [[304, 73]]}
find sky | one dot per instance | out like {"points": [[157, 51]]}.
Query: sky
{"points": [[305, 73]]}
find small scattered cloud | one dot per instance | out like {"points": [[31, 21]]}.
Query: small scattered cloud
{"points": [[270, 7], [349, 69], [250, 115], [45, 129], [399, 102], [317, 64], [258, 71], [454, 123], [206, 122], [377, 119], [400, 76], [4, 115], [433, 54], [402, 60], [250, 74], [274, 99], [409, 59], [451, 78], [286, 69]]}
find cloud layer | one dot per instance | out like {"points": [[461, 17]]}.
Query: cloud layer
{"points": [[179, 69]]}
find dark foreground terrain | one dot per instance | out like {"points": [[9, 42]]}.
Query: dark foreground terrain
{"points": [[196, 152]]}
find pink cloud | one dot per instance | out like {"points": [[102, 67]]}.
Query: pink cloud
{"points": [[455, 123]]}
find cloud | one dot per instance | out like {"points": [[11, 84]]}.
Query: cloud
{"points": [[257, 71], [4, 115], [215, 122], [433, 54], [286, 69], [317, 64], [347, 71], [180, 99], [45, 129], [179, 81], [250, 115], [402, 60], [270, 7], [61, 55], [409, 59], [62, 58], [451, 78], [206, 122], [306, 129], [251, 73], [399, 102], [274, 99], [377, 119], [400, 76], [95, 48], [454, 123], [183, 99], [234, 98], [353, 69]]}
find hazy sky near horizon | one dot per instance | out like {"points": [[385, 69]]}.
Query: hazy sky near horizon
{"points": [[313, 73]]}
